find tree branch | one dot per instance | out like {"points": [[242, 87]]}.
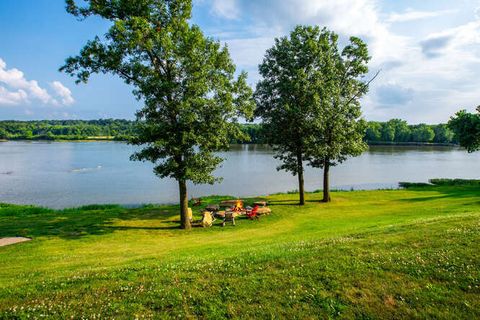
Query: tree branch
{"points": [[366, 85]]}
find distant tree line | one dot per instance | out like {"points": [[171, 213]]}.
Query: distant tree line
{"points": [[398, 131], [392, 132], [67, 129]]}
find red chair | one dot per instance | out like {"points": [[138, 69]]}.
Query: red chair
{"points": [[253, 214]]}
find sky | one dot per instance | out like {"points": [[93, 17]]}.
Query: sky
{"points": [[427, 52]]}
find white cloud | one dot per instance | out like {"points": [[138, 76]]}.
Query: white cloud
{"points": [[423, 78], [347, 17], [250, 51], [455, 38], [63, 92], [15, 89], [411, 15], [226, 8], [11, 98], [15, 79]]}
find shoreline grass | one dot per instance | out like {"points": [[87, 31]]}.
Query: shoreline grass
{"points": [[409, 253]]}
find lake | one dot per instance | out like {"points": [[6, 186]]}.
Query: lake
{"points": [[69, 174]]}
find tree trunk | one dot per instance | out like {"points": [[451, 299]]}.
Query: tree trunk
{"points": [[185, 219], [301, 183], [326, 181]]}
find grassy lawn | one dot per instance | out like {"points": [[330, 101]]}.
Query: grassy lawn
{"points": [[411, 253]]}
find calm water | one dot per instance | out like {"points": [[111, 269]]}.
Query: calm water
{"points": [[65, 174]]}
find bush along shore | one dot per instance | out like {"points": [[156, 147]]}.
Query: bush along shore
{"points": [[408, 253]]}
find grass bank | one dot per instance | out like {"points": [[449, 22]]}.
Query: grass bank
{"points": [[368, 255]]}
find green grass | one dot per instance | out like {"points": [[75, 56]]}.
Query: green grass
{"points": [[388, 254]]}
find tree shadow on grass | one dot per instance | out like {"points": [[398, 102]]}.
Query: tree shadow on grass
{"points": [[283, 203], [445, 192], [80, 222], [75, 223]]}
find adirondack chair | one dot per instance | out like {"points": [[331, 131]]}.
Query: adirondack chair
{"points": [[253, 214], [207, 219]]}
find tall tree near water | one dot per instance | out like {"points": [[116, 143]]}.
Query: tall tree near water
{"points": [[338, 125], [286, 96], [192, 101], [466, 127], [308, 100]]}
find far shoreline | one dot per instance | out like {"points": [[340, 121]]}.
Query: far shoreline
{"points": [[114, 139]]}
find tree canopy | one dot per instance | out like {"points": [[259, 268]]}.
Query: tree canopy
{"points": [[397, 131], [466, 127], [285, 98], [338, 128], [308, 99], [192, 100]]}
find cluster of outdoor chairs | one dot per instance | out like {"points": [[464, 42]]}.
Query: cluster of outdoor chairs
{"points": [[227, 211]]}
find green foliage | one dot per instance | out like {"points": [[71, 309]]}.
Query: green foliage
{"points": [[192, 101], [123, 130], [397, 131], [374, 131], [284, 98], [3, 133], [308, 98], [455, 182], [443, 134], [422, 133], [388, 133], [336, 127], [397, 254], [401, 130], [441, 182], [253, 133], [466, 127], [67, 129], [408, 185]]}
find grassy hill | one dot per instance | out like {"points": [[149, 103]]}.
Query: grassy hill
{"points": [[411, 253]]}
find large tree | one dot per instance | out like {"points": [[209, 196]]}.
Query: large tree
{"points": [[192, 101], [285, 98], [308, 100], [466, 127], [338, 126]]}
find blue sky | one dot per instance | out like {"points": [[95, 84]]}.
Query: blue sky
{"points": [[428, 51]]}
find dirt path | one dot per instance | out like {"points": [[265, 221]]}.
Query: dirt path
{"points": [[13, 240]]}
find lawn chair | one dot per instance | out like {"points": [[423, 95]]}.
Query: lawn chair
{"points": [[190, 214], [253, 214], [207, 219]]}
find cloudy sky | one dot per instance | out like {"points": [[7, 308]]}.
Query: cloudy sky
{"points": [[428, 52]]}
